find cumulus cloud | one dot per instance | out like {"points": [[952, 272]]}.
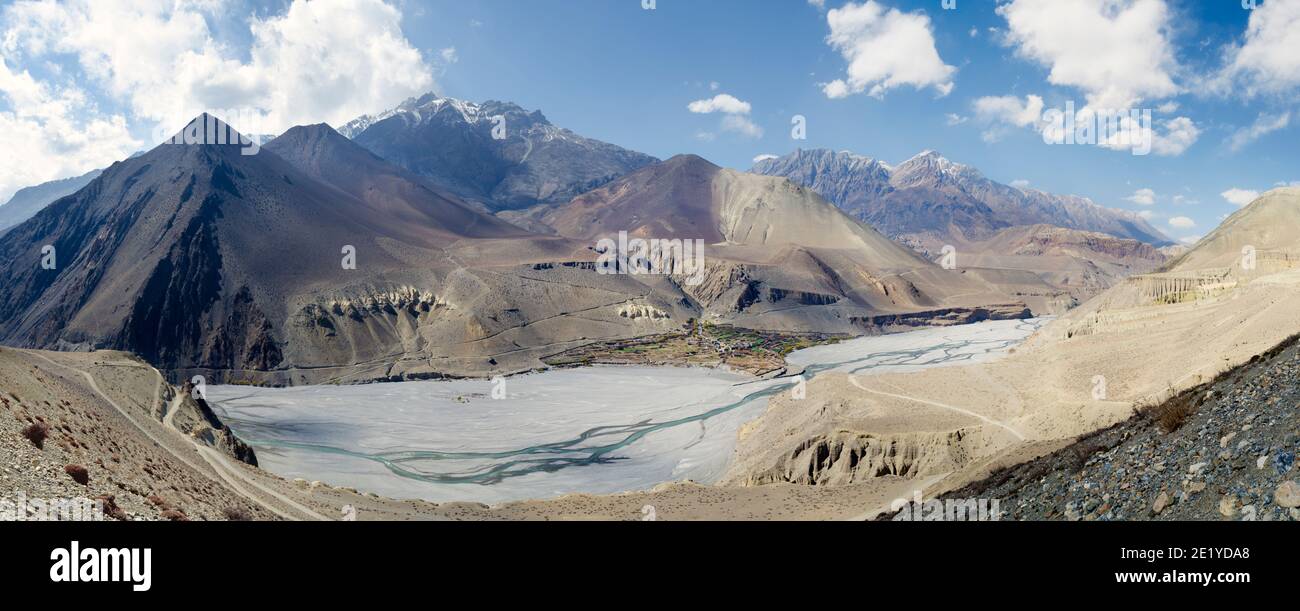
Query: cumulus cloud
{"points": [[1266, 60], [1117, 52], [1240, 197], [1178, 135], [1143, 197], [323, 60], [53, 132], [735, 113], [998, 113], [1264, 124], [1010, 110], [765, 157], [722, 102], [885, 48], [1181, 222]]}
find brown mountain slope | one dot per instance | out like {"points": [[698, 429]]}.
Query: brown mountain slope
{"points": [[769, 239]]}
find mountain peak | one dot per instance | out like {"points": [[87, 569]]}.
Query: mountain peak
{"points": [[687, 160], [208, 130]]}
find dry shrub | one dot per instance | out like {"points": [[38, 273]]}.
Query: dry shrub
{"points": [[111, 509], [78, 474], [36, 433], [1172, 413]]}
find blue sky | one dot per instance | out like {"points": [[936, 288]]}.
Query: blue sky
{"points": [[610, 69]]}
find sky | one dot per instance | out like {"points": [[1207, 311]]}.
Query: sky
{"points": [[1208, 86]]}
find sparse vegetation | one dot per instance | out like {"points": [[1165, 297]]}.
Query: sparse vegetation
{"points": [[36, 433], [237, 514], [175, 515], [111, 509], [1172, 413], [78, 474]]}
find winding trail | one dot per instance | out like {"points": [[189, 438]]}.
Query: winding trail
{"points": [[854, 380], [217, 462]]}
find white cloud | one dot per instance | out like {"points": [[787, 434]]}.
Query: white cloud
{"points": [[820, 4], [1240, 197], [448, 55], [723, 102], [1266, 61], [1264, 124], [1146, 214], [53, 132], [954, 119], [1117, 52], [1000, 112], [885, 48], [1143, 197], [323, 60], [1179, 135], [741, 124], [1010, 110], [1181, 222], [735, 111], [765, 157], [1020, 183]]}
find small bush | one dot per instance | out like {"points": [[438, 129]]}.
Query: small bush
{"points": [[1171, 414], [175, 515], [36, 433], [237, 514], [111, 508], [78, 474]]}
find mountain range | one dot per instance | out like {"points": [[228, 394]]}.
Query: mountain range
{"points": [[929, 202], [495, 155], [202, 259], [27, 202]]}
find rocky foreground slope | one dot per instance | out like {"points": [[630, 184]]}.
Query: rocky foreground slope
{"points": [[106, 427], [1222, 451]]}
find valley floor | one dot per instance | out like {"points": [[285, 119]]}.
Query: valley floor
{"points": [[947, 427]]}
